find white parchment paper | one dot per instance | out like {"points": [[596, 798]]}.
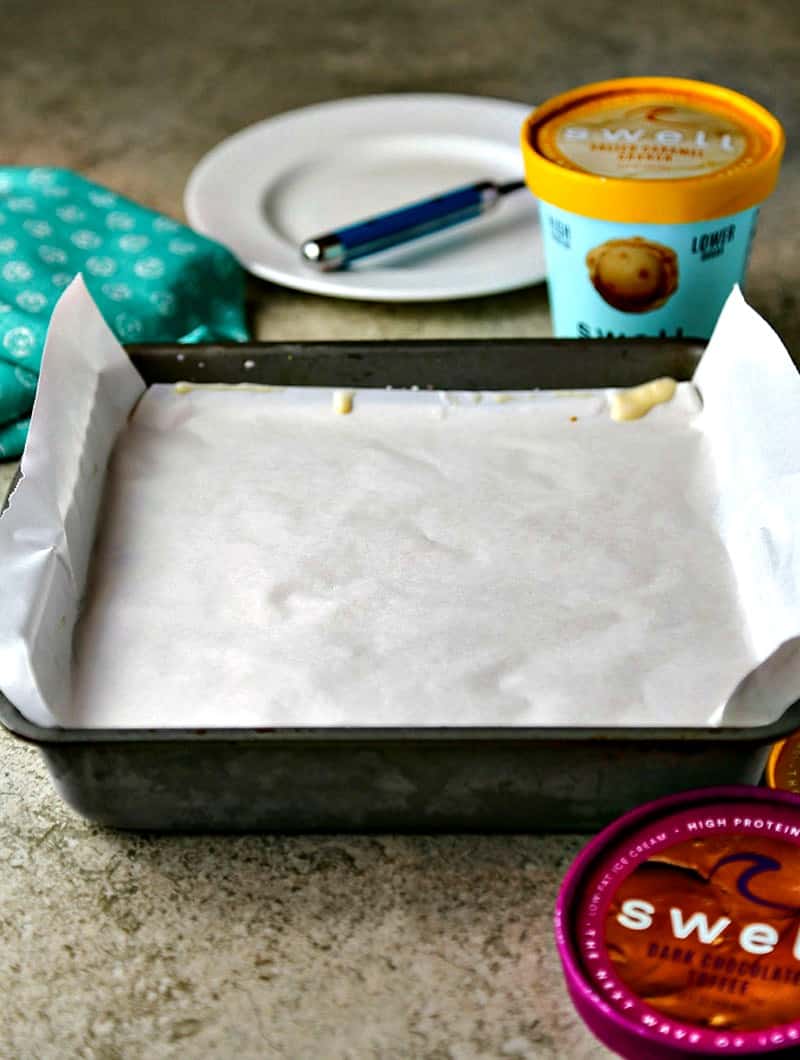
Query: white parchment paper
{"points": [[87, 387], [429, 559]]}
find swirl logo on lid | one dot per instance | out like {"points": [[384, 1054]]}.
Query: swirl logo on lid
{"points": [[651, 140]]}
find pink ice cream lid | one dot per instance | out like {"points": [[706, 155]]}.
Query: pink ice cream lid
{"points": [[678, 926]]}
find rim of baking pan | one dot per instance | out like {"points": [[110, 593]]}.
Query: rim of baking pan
{"points": [[432, 364], [760, 735]]}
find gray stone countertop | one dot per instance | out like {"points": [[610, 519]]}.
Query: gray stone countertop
{"points": [[117, 946]]}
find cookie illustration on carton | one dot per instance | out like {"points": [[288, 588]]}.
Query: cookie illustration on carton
{"points": [[634, 275]]}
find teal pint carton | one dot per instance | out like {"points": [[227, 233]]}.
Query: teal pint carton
{"points": [[648, 192]]}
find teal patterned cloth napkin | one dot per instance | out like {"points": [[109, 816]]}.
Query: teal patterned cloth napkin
{"points": [[153, 279]]}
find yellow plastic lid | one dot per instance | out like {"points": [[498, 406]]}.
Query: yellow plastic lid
{"points": [[658, 150]]}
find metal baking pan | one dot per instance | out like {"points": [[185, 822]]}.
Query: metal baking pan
{"points": [[410, 780]]}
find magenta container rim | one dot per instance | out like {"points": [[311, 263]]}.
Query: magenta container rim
{"points": [[607, 1023]]}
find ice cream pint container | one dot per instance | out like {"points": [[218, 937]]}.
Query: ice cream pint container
{"points": [[783, 764], [648, 191], [678, 927]]}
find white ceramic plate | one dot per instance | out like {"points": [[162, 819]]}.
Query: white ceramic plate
{"points": [[273, 185]]}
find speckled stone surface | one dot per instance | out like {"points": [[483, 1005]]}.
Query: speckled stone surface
{"points": [[114, 946], [120, 946]]}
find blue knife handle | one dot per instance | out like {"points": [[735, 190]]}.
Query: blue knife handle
{"points": [[394, 227], [420, 217]]}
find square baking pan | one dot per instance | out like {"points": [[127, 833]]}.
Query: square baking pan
{"points": [[399, 779]]}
